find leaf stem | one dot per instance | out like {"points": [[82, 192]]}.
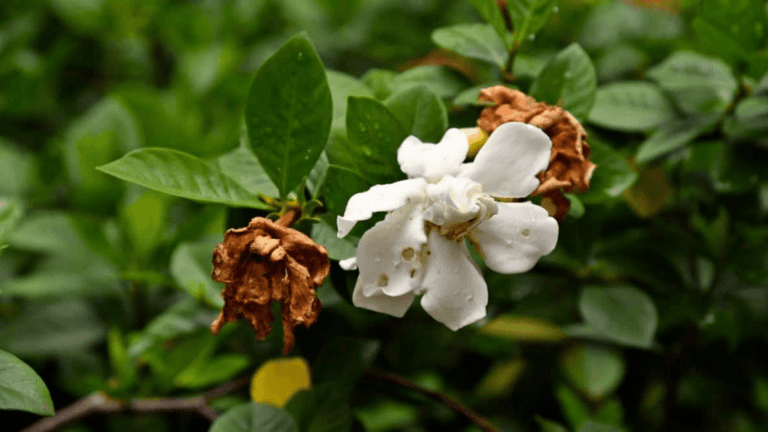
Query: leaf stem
{"points": [[456, 406], [101, 403]]}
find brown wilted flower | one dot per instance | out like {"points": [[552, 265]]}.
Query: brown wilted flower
{"points": [[264, 262], [569, 169]]}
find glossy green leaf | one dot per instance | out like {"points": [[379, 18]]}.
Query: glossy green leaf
{"points": [[82, 15], [746, 21], [420, 112], [529, 16], [181, 174], [289, 112], [48, 232], [191, 266], [631, 106], [621, 314], [569, 80], [145, 220], [594, 369], [470, 95], [242, 166], [612, 176], [490, 11], [254, 417], [574, 409], [675, 135], [366, 156], [342, 87], [21, 388], [697, 83], [475, 41]]}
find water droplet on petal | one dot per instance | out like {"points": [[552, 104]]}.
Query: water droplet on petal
{"points": [[525, 233], [408, 254], [383, 280]]}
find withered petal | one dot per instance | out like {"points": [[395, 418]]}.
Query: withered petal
{"points": [[266, 262]]}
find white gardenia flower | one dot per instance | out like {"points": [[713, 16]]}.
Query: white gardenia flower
{"points": [[419, 249]]}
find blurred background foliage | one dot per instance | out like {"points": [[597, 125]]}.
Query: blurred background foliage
{"points": [[649, 315]]}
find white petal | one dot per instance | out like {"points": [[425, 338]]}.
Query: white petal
{"points": [[389, 254], [433, 161], [457, 204], [348, 264], [455, 291], [507, 164], [513, 240], [378, 198], [380, 302]]}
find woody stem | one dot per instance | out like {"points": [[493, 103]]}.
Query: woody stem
{"points": [[289, 218]]}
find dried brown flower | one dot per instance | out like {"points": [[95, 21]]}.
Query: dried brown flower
{"points": [[569, 167], [264, 262]]}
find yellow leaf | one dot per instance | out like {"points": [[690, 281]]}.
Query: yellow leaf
{"points": [[500, 379], [651, 193], [523, 329], [278, 380]]}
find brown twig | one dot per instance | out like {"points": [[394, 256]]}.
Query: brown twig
{"points": [[456, 406], [101, 403]]}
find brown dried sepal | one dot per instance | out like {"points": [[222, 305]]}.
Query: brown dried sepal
{"points": [[267, 262], [569, 167]]}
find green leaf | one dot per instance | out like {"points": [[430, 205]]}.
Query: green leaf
{"points": [[529, 16], [749, 120], [50, 284], [549, 425], [84, 16], [490, 11], [470, 95], [713, 40], [593, 426], [342, 87], [289, 112], [575, 410], [620, 314], [123, 366], [216, 370], [697, 83], [443, 82], [338, 248], [21, 388], [366, 156], [674, 135], [16, 169], [191, 268], [180, 319], [569, 80], [594, 369], [745, 21], [320, 409], [612, 176], [421, 112], [66, 326], [181, 174], [145, 221], [254, 417], [242, 166], [10, 215], [631, 106], [475, 41]]}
